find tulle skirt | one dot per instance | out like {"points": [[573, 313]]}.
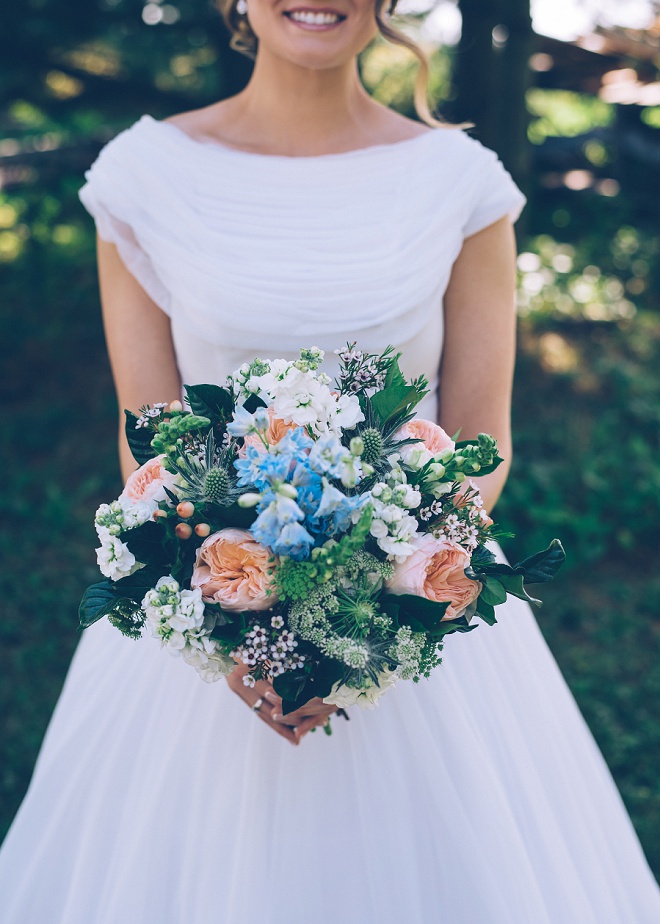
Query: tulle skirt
{"points": [[476, 797]]}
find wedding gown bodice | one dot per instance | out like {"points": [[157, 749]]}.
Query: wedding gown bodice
{"points": [[254, 254]]}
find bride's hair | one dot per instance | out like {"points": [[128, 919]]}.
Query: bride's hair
{"points": [[244, 40]]}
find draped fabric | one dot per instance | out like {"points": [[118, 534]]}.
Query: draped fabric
{"points": [[476, 797]]}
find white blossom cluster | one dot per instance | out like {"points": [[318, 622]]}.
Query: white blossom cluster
{"points": [[407, 649], [177, 618], [299, 394], [150, 412], [464, 525], [272, 651], [114, 557], [393, 527]]}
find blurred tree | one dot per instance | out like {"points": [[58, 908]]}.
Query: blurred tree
{"points": [[122, 57], [491, 77]]}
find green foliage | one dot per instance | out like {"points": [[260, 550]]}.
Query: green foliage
{"points": [[139, 439], [297, 579]]}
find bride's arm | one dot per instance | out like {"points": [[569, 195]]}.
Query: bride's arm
{"points": [[479, 345], [139, 343]]}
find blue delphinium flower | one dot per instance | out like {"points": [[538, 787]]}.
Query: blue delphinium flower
{"points": [[243, 422], [262, 469], [294, 541], [336, 509]]}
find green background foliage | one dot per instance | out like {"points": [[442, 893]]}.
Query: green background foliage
{"points": [[586, 404]]}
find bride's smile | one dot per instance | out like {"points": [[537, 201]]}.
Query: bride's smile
{"points": [[316, 20]]}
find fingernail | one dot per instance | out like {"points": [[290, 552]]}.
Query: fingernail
{"points": [[276, 716], [271, 697]]}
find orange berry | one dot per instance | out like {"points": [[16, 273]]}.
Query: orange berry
{"points": [[185, 509], [183, 530], [203, 529]]}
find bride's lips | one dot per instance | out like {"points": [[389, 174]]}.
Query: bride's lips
{"points": [[314, 19]]}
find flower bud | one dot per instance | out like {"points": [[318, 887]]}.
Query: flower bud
{"points": [[203, 530], [175, 407], [356, 446], [183, 530], [288, 490], [185, 509], [249, 499]]}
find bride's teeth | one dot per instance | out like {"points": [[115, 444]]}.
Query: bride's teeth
{"points": [[316, 19]]}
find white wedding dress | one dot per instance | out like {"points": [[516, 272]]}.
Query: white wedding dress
{"points": [[477, 797]]}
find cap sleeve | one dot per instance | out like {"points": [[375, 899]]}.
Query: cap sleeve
{"points": [[118, 197], [494, 195]]}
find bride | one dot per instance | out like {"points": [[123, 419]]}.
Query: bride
{"points": [[301, 212]]}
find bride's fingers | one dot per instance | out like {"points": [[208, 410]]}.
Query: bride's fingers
{"points": [[284, 730]]}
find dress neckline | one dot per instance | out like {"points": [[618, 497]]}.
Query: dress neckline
{"points": [[385, 147]]}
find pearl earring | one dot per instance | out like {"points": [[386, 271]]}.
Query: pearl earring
{"points": [[241, 7]]}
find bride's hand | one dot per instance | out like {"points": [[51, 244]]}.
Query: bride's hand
{"points": [[293, 726]]}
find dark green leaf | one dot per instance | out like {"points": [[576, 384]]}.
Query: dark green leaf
{"points": [[210, 401], [252, 402], [419, 609], [139, 440], [134, 586], [448, 626], [290, 685], [493, 592], [97, 600], [146, 543], [486, 612], [514, 585], [542, 567]]}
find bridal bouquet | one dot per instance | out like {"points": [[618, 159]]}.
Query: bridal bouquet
{"points": [[317, 532]]}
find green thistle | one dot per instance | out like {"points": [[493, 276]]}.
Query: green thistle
{"points": [[373, 445], [216, 484]]}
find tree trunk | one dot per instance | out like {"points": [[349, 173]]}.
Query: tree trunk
{"points": [[491, 78]]}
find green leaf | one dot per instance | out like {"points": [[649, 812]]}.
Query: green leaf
{"points": [[514, 585], [493, 592], [449, 626], [210, 401], [486, 611], [417, 609], [97, 600], [392, 400], [139, 440], [134, 586], [542, 567], [252, 402], [290, 686], [394, 375], [146, 543]]}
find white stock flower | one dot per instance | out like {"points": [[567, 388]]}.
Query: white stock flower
{"points": [[177, 618], [114, 558], [343, 696]]}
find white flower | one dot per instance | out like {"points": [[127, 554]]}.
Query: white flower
{"points": [[414, 456], [348, 412], [343, 696], [177, 618], [114, 558]]}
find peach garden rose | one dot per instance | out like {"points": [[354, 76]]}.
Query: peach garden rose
{"points": [[232, 569], [431, 434], [145, 484], [436, 571], [277, 430]]}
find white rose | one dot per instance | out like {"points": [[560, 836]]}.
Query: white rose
{"points": [[343, 696]]}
